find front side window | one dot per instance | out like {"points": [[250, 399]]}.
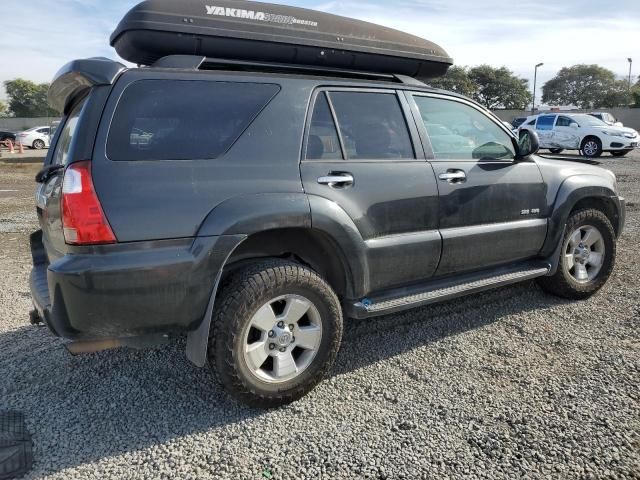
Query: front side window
{"points": [[183, 119], [460, 132], [545, 122], [372, 126], [563, 122], [63, 145]]}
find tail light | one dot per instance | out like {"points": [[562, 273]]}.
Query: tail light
{"points": [[83, 220]]}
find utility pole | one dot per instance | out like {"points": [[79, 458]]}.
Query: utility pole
{"points": [[630, 65], [535, 85]]}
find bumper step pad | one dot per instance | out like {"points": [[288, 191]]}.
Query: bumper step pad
{"points": [[16, 447]]}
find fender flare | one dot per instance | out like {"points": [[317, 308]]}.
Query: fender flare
{"points": [[328, 217], [571, 191], [240, 217]]}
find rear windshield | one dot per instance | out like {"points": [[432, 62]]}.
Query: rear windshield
{"points": [[183, 119], [63, 146]]}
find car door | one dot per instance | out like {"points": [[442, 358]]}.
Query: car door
{"points": [[491, 206], [566, 133], [362, 153], [544, 129]]}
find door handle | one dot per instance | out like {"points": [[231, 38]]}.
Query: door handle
{"points": [[453, 176], [337, 180]]}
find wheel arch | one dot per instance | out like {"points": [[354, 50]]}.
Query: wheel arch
{"points": [[280, 225], [577, 192]]}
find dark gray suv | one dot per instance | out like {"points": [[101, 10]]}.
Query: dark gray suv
{"points": [[254, 208]]}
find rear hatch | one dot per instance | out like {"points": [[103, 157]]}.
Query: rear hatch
{"points": [[79, 90]]}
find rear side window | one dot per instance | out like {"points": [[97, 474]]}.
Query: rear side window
{"points": [[63, 145], [372, 126], [183, 120]]}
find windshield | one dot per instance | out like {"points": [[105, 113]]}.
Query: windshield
{"points": [[588, 120]]}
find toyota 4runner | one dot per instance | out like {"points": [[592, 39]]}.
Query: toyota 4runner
{"points": [[252, 207]]}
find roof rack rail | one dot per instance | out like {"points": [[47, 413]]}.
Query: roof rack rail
{"points": [[197, 62]]}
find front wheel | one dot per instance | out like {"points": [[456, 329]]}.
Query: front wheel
{"points": [[38, 144], [587, 257], [591, 147], [276, 331]]}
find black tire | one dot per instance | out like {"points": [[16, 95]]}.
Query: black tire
{"points": [[563, 284], [619, 153], [38, 144], [593, 152], [556, 151], [241, 296]]}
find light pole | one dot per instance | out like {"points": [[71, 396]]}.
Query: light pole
{"points": [[630, 65], [535, 85]]}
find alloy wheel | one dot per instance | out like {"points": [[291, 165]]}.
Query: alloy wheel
{"points": [[584, 254], [590, 148], [282, 339]]}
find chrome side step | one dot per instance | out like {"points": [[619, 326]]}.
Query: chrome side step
{"points": [[442, 290]]}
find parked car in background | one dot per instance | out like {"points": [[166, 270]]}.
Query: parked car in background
{"points": [[588, 134], [36, 137], [607, 118], [7, 135], [516, 122]]}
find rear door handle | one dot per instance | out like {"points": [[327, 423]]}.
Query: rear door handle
{"points": [[453, 176], [337, 180]]}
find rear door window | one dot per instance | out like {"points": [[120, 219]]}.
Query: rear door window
{"points": [[183, 119], [545, 122], [323, 142], [372, 125]]}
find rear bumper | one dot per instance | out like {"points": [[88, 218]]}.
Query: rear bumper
{"points": [[129, 289]]}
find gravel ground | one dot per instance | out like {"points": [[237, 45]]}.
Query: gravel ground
{"points": [[507, 384]]}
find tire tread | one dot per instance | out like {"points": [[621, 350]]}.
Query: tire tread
{"points": [[239, 293]]}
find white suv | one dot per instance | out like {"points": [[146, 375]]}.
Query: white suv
{"points": [[589, 135], [36, 137]]}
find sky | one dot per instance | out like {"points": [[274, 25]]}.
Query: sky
{"points": [[39, 36]]}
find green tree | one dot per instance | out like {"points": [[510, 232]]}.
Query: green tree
{"points": [[456, 80], [28, 99], [587, 86], [618, 95], [499, 88], [635, 94]]}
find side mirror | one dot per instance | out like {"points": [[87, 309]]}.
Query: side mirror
{"points": [[618, 124], [575, 126], [529, 144]]}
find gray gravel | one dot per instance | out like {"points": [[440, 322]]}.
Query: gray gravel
{"points": [[507, 384]]}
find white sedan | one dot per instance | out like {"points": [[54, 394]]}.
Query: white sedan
{"points": [[576, 131], [36, 137]]}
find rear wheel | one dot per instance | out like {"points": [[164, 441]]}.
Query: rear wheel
{"points": [[556, 150], [619, 153], [276, 332], [38, 144], [591, 147], [587, 257]]}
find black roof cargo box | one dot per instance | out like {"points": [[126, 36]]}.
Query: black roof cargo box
{"points": [[253, 31]]}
